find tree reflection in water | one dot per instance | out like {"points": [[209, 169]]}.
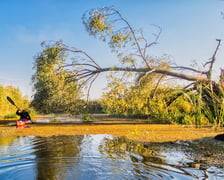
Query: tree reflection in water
{"points": [[121, 147], [105, 157], [53, 155]]}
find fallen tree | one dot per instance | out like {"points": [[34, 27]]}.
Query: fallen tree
{"points": [[131, 48]]}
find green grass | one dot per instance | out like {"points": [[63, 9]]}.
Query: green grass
{"points": [[8, 116]]}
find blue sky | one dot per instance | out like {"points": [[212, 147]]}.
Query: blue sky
{"points": [[189, 30]]}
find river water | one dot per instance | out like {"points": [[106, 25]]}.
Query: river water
{"points": [[90, 157]]}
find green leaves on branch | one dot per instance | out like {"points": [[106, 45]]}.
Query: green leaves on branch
{"points": [[120, 39], [147, 96], [199, 105], [7, 109], [53, 92], [108, 24], [96, 23]]}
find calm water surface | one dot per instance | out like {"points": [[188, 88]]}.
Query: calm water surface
{"points": [[106, 157]]}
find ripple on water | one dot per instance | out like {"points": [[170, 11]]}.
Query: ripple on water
{"points": [[17, 159], [96, 157]]}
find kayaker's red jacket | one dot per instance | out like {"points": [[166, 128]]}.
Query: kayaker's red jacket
{"points": [[23, 114]]}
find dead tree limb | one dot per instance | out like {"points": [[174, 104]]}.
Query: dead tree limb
{"points": [[212, 61], [139, 70]]}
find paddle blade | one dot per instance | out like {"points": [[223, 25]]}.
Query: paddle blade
{"points": [[10, 100]]}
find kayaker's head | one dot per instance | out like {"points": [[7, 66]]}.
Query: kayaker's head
{"points": [[26, 110]]}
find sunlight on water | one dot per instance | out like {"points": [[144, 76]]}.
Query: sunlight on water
{"points": [[99, 157]]}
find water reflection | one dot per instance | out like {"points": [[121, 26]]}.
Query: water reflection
{"points": [[17, 158], [104, 157], [54, 154]]}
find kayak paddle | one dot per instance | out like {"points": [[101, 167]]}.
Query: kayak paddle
{"points": [[12, 102]]}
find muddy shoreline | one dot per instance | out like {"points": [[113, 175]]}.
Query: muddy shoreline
{"points": [[199, 140], [136, 130]]}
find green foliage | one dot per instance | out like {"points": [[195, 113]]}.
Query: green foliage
{"points": [[143, 99], [7, 109], [86, 117], [54, 92], [108, 24], [101, 22], [119, 39], [148, 97], [123, 99], [8, 116], [95, 22], [204, 106], [212, 99], [149, 100]]}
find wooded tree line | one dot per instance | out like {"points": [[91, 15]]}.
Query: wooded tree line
{"points": [[62, 70], [7, 109]]}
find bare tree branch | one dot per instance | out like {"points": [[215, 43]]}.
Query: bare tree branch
{"points": [[156, 36], [157, 85], [74, 50], [135, 39], [188, 68], [209, 72], [90, 86]]}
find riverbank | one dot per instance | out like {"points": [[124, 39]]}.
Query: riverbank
{"points": [[46, 140], [141, 132]]}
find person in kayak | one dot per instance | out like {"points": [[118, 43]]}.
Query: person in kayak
{"points": [[24, 116]]}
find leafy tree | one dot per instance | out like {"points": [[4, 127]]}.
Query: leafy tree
{"points": [[131, 48], [8, 110], [143, 99], [54, 93]]}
